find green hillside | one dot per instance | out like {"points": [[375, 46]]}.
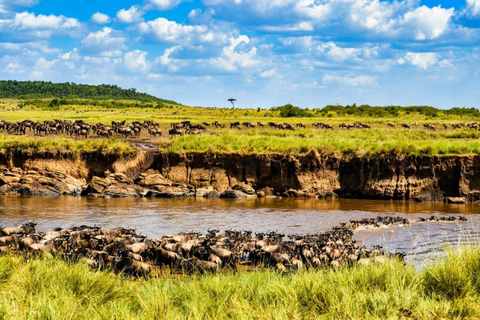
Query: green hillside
{"points": [[44, 90]]}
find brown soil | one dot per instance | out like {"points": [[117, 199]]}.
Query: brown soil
{"points": [[451, 178]]}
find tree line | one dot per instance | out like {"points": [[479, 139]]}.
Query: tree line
{"points": [[366, 110], [46, 90]]}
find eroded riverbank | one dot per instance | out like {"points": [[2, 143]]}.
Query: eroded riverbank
{"points": [[150, 173]]}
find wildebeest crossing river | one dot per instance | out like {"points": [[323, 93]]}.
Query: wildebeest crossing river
{"points": [[156, 217]]}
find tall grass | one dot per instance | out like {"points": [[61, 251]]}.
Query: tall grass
{"points": [[342, 142], [47, 288]]}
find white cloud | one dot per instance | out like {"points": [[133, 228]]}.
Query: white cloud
{"points": [[7, 5], [166, 4], [136, 61], [134, 14], [40, 46], [165, 31], [42, 65], [41, 26], [359, 81], [272, 73], [100, 18], [472, 7], [372, 14], [270, 12], [13, 67], [301, 26], [237, 55], [428, 23], [103, 39], [382, 19], [336, 53], [422, 60]]}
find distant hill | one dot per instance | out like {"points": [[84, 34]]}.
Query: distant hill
{"points": [[45, 90]]}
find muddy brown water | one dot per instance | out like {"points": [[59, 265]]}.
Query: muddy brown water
{"points": [[156, 217]]}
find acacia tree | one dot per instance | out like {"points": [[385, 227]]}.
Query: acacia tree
{"points": [[232, 101]]}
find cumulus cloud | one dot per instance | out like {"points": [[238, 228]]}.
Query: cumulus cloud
{"points": [[428, 23], [422, 60], [136, 61], [385, 19], [472, 8], [166, 31], [100, 18], [337, 53], [237, 55], [166, 4], [104, 39], [41, 26], [132, 15], [270, 12]]}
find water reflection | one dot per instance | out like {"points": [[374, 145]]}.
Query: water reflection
{"points": [[154, 217]]}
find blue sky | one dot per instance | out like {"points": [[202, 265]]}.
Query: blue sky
{"points": [[262, 52]]}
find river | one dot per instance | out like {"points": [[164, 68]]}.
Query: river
{"points": [[156, 217]]}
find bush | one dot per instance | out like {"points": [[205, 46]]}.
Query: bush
{"points": [[290, 110]]}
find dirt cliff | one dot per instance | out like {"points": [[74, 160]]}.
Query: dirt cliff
{"points": [[421, 178]]}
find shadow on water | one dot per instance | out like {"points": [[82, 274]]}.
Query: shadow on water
{"points": [[156, 217]]}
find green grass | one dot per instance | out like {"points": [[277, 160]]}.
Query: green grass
{"points": [[47, 288], [341, 142]]}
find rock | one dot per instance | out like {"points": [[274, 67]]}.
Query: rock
{"points": [[100, 182], [266, 192], [30, 190], [212, 194], [122, 191], [9, 178], [171, 194], [291, 193], [119, 178], [245, 188], [233, 194], [200, 193], [152, 179], [456, 200]]}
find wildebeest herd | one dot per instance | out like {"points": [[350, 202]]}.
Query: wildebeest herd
{"points": [[122, 129], [126, 251]]}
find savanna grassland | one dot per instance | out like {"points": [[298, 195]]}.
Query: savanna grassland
{"points": [[380, 139], [48, 288]]}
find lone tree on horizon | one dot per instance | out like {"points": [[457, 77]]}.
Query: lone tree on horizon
{"points": [[232, 101]]}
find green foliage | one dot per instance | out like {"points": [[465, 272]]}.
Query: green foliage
{"points": [[288, 111], [393, 111], [68, 90]]}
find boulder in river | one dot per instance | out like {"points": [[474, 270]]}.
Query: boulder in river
{"points": [[457, 200], [233, 194]]}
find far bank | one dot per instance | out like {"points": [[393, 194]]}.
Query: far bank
{"points": [[153, 173]]}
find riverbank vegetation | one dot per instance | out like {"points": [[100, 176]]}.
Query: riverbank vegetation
{"points": [[47, 288], [371, 142]]}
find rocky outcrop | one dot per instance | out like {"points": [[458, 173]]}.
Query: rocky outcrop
{"points": [[454, 179], [42, 183]]}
